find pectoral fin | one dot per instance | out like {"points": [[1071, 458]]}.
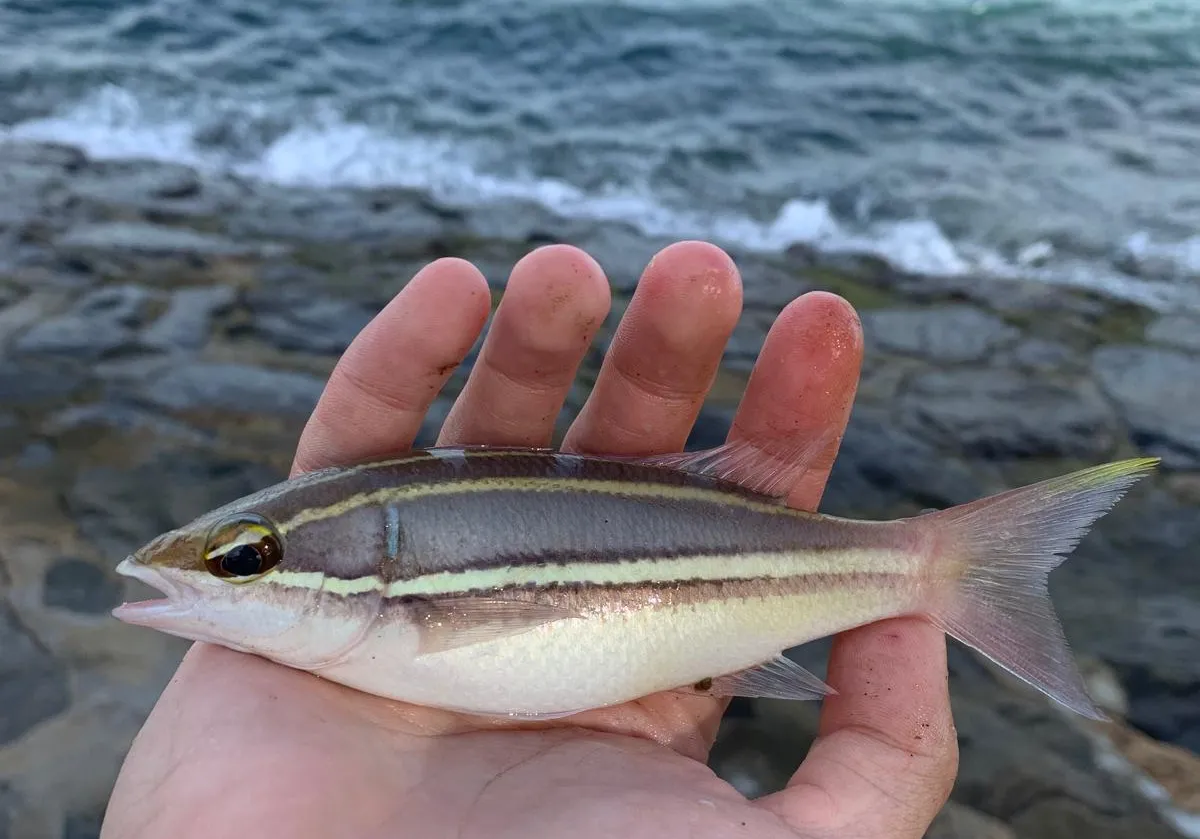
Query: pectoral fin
{"points": [[448, 623]]}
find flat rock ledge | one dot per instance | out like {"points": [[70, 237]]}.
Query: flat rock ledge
{"points": [[164, 336]]}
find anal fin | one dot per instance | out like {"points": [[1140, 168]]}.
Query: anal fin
{"points": [[779, 678], [447, 623], [771, 470]]}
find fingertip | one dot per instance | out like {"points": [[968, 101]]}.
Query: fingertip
{"points": [[561, 285], [452, 269], [453, 277], [563, 258], [689, 297], [821, 326], [444, 308], [693, 253], [700, 270]]}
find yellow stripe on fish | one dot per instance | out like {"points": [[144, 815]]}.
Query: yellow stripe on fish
{"points": [[412, 492], [661, 570]]}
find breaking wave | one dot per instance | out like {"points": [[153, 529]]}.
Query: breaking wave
{"points": [[329, 151]]}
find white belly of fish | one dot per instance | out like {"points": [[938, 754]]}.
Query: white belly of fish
{"points": [[581, 663]]}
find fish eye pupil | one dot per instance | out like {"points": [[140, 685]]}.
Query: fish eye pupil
{"points": [[242, 561], [242, 549]]}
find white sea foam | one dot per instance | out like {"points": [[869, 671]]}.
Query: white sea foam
{"points": [[329, 152]]}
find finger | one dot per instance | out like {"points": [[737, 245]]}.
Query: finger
{"points": [[555, 300], [390, 374], [886, 753], [664, 355], [803, 385]]}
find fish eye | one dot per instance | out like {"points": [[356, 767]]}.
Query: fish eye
{"points": [[242, 548]]}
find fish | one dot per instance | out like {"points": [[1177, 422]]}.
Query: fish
{"points": [[534, 583]]}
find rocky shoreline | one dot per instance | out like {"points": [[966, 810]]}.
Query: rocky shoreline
{"points": [[163, 336]]}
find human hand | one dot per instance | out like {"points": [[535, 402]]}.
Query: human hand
{"points": [[239, 746]]}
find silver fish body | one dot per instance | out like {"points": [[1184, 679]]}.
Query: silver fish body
{"points": [[537, 584]]}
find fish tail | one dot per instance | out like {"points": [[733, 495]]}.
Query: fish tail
{"points": [[996, 554]]}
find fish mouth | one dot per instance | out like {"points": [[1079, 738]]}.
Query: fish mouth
{"points": [[175, 603]]}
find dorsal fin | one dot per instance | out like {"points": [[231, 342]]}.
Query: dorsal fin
{"points": [[769, 470]]}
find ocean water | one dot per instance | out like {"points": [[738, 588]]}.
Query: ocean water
{"points": [[1058, 139]]}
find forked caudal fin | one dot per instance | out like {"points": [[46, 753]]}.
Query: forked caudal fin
{"points": [[1008, 544]]}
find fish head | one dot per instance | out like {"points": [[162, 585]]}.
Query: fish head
{"points": [[227, 578]]}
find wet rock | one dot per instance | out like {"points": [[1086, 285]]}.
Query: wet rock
{"points": [[1017, 752], [74, 335], [36, 455], [83, 826], [125, 304], [1129, 595], [19, 315], [881, 467], [1157, 391], [1104, 686], [237, 389], [1167, 708], [431, 426], [298, 321], [282, 277], [1055, 818], [9, 431], [101, 322], [744, 345], [30, 382], [116, 417], [1182, 331], [400, 224], [711, 428], [64, 158], [187, 322], [33, 685], [957, 821], [998, 414], [8, 802], [759, 752], [79, 586], [28, 175], [952, 334], [118, 510], [137, 183], [1149, 624], [1039, 355], [1172, 772], [152, 240]]}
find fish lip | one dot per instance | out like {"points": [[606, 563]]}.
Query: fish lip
{"points": [[174, 603]]}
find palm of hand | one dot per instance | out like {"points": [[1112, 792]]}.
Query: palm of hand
{"points": [[240, 746]]}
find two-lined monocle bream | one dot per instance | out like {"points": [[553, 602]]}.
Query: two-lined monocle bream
{"points": [[533, 583]]}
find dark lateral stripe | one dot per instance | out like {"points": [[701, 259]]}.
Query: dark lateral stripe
{"points": [[482, 530], [586, 598]]}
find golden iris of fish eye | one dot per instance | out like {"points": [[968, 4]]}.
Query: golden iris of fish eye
{"points": [[243, 529]]}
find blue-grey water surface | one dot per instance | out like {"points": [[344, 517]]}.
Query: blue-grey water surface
{"points": [[1059, 138]]}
